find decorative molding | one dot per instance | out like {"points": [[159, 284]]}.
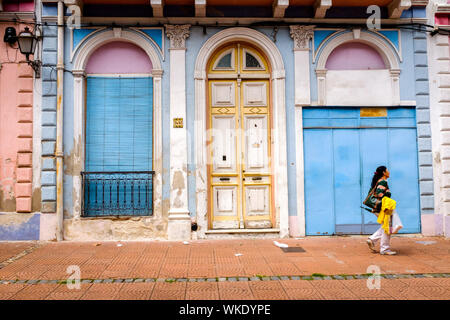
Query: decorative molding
{"points": [[177, 34], [321, 7], [301, 36], [279, 7], [158, 8], [72, 49], [389, 55], [200, 8], [419, 3], [443, 8], [275, 59], [396, 8], [117, 32], [83, 51]]}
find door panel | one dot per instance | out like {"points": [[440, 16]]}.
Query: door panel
{"points": [[255, 94], [347, 186], [319, 195], [223, 94], [225, 207], [256, 158], [404, 176], [224, 144]]}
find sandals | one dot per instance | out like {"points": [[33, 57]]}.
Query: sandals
{"points": [[371, 245]]}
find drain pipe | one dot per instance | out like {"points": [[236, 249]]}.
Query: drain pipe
{"points": [[59, 153]]}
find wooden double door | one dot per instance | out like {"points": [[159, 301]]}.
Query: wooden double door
{"points": [[239, 151]]}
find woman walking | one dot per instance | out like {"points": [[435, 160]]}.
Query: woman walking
{"points": [[379, 182]]}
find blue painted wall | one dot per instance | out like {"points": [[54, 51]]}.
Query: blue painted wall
{"points": [[28, 230], [410, 89]]}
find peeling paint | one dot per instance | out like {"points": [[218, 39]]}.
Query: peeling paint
{"points": [[36, 200], [15, 219], [123, 228], [72, 160], [178, 183], [7, 204], [437, 157]]}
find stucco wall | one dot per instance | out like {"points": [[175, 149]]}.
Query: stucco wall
{"points": [[17, 196]]}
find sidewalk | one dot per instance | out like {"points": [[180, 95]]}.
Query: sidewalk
{"points": [[329, 268]]}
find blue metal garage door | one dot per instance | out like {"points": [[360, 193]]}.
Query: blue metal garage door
{"points": [[342, 149], [119, 146]]}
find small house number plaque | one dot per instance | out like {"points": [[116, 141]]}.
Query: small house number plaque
{"points": [[178, 122]]}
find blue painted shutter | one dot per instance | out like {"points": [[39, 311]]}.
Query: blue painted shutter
{"points": [[119, 138], [119, 117]]}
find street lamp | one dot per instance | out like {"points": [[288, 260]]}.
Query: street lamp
{"points": [[27, 45]]}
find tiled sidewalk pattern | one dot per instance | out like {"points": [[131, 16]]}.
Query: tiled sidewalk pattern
{"points": [[399, 289], [230, 258]]}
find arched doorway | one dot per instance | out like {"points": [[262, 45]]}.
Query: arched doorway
{"points": [[239, 155]]}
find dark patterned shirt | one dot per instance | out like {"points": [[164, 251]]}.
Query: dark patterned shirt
{"points": [[381, 190]]}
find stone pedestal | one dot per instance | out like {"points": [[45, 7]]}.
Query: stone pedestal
{"points": [[179, 227]]}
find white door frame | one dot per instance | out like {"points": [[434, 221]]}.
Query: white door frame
{"points": [[279, 149]]}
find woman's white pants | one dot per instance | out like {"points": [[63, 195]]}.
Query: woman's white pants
{"points": [[385, 239]]}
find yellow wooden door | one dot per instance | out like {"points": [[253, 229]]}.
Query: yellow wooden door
{"points": [[239, 154]]}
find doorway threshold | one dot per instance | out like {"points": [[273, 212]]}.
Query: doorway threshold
{"points": [[247, 231]]}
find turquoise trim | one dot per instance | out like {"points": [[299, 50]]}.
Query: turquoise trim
{"points": [[156, 35], [393, 36], [320, 36], [80, 34]]}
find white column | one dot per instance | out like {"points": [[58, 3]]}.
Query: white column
{"points": [[179, 225], [395, 79], [301, 36], [79, 138], [157, 140]]}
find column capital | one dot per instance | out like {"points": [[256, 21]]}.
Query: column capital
{"points": [[177, 33], [78, 73], [157, 73], [301, 36]]}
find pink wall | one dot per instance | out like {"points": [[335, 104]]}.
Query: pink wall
{"points": [[355, 56], [16, 129], [18, 6], [119, 57]]}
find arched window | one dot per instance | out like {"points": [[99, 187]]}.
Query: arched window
{"points": [[355, 56], [358, 68]]}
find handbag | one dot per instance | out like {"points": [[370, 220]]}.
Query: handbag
{"points": [[371, 200]]}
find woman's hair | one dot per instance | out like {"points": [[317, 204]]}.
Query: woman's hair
{"points": [[377, 175]]}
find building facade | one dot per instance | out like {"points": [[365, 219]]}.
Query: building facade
{"points": [[439, 58], [210, 119], [20, 217]]}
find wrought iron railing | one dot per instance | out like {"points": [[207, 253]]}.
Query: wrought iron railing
{"points": [[117, 193]]}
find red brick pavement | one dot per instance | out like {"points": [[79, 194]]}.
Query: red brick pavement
{"points": [[227, 258]]}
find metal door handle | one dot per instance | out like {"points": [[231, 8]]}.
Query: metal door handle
{"points": [[224, 179], [256, 178]]}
